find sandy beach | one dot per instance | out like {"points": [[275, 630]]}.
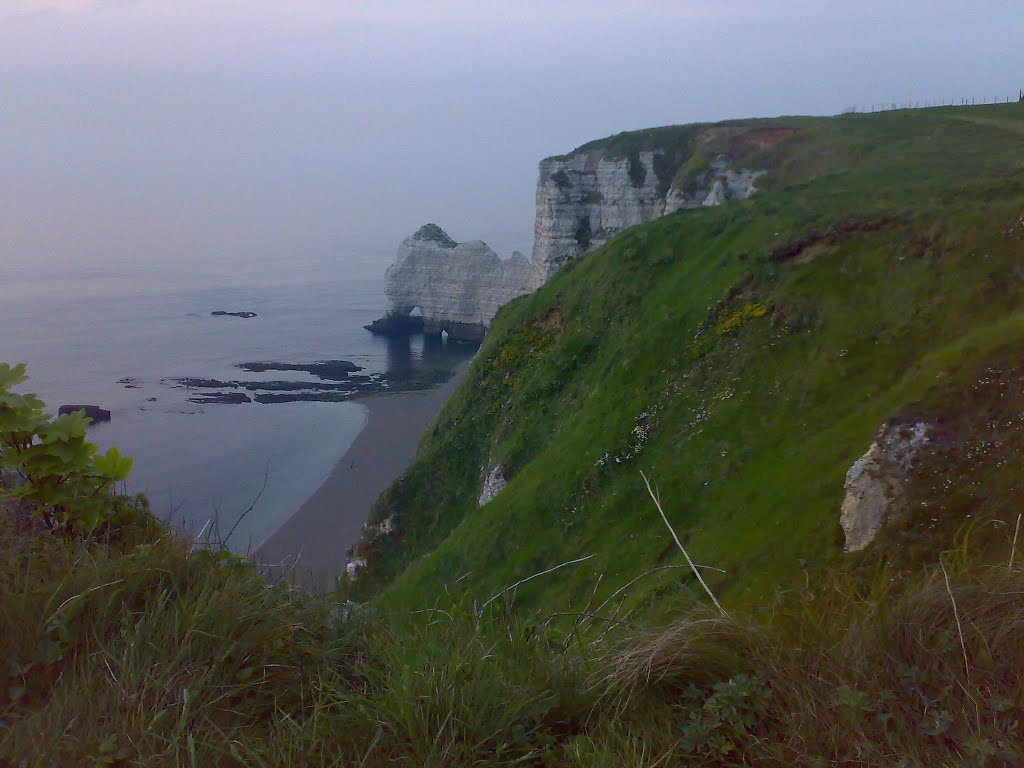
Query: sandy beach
{"points": [[313, 543]]}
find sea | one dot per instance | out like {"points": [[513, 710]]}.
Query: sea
{"points": [[118, 335]]}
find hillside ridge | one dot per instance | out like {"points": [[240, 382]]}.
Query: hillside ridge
{"points": [[744, 355]]}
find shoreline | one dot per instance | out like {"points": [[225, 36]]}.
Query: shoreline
{"points": [[311, 546]]}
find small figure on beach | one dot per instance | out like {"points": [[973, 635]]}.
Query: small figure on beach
{"points": [[352, 464]]}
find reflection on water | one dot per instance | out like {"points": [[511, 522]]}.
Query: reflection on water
{"points": [[425, 358]]}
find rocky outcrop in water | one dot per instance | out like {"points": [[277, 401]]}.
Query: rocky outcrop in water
{"points": [[216, 391], [457, 287], [93, 412], [221, 398], [397, 325], [330, 370]]}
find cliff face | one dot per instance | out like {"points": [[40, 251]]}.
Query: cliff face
{"points": [[587, 197], [458, 287], [583, 200]]}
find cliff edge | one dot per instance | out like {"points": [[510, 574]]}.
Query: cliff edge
{"points": [[587, 197], [583, 200]]}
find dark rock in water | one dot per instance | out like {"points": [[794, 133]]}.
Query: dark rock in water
{"points": [[318, 397], [269, 386], [267, 398], [396, 325], [129, 382], [222, 313], [297, 386], [192, 383], [150, 399], [94, 412], [286, 391], [367, 385], [329, 370], [225, 398]]}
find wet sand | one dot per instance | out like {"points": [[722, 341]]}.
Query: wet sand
{"points": [[312, 545]]}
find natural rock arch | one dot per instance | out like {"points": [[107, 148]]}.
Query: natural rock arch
{"points": [[457, 286]]}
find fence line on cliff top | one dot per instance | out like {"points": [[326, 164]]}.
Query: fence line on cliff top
{"points": [[963, 101]]}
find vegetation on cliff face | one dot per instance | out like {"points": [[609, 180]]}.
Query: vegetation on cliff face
{"points": [[138, 649], [742, 357]]}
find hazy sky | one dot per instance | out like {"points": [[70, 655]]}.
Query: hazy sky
{"points": [[196, 132]]}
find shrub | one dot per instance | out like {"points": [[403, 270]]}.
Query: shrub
{"points": [[721, 725], [561, 178], [636, 169], [583, 233], [62, 479]]}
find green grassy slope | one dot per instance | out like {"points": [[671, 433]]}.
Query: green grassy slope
{"points": [[136, 649], [743, 356]]}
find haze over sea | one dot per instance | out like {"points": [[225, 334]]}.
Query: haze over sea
{"points": [[82, 329]]}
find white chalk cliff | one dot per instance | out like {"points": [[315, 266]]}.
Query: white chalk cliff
{"points": [[583, 200], [458, 287], [586, 198]]}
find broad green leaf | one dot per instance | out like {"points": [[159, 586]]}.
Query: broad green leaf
{"points": [[113, 465], [11, 376], [64, 476], [67, 427]]}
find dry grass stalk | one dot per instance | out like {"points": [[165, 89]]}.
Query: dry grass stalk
{"points": [[956, 615], [686, 554], [1013, 547], [634, 580], [583, 614], [534, 576]]}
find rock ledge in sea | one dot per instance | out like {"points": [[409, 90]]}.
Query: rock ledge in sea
{"points": [[93, 412], [221, 398], [224, 313], [328, 370]]}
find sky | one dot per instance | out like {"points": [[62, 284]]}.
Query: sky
{"points": [[210, 134]]}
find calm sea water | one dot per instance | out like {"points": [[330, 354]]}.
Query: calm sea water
{"points": [[82, 331]]}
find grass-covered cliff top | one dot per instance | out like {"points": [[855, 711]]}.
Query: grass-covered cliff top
{"points": [[683, 152]]}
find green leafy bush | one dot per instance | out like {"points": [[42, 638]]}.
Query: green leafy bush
{"points": [[60, 477], [720, 725], [636, 169], [583, 232], [561, 178]]}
